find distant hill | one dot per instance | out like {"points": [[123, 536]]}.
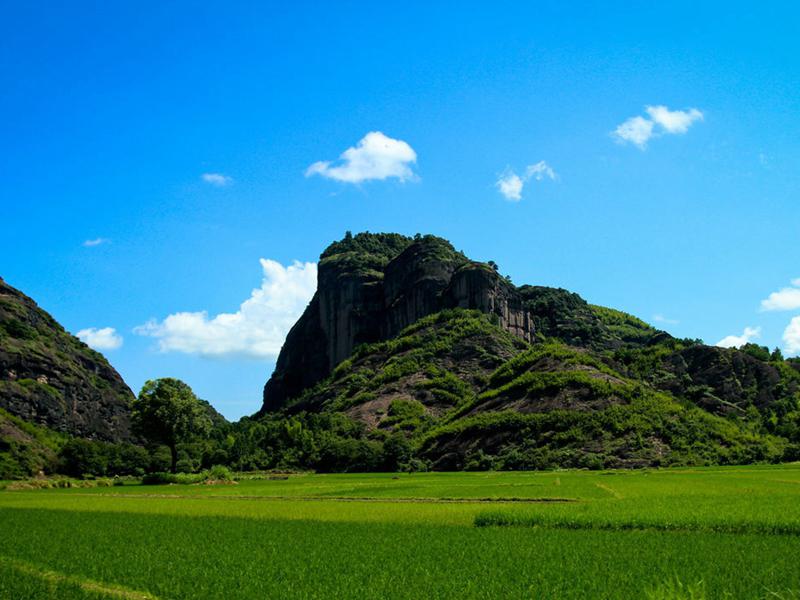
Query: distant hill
{"points": [[408, 336], [50, 378]]}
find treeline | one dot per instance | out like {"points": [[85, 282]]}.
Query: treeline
{"points": [[318, 442]]}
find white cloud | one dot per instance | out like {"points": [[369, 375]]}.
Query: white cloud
{"points": [[639, 130], [105, 338], [787, 298], [791, 336], [376, 156], [216, 179], [95, 242], [257, 329], [659, 318], [636, 130], [735, 341], [510, 184], [674, 121], [539, 171]]}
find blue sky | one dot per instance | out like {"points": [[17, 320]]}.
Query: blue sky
{"points": [[114, 113]]}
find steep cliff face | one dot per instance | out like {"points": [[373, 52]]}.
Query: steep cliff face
{"points": [[371, 287], [476, 286], [414, 283], [51, 378]]}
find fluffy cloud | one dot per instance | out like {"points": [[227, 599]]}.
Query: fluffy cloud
{"points": [[791, 336], [216, 179], [787, 298], [639, 130], [105, 338], [510, 185], [376, 156], [674, 121], [636, 130], [96, 242], [735, 341], [257, 329]]}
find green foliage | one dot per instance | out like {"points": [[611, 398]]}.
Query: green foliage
{"points": [[327, 442], [384, 246], [406, 415], [761, 353], [364, 253], [26, 449], [651, 429], [219, 473], [560, 314], [161, 478], [18, 329], [81, 458], [168, 412], [426, 347], [622, 326], [216, 474], [550, 352]]}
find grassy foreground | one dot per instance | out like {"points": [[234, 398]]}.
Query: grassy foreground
{"points": [[688, 533]]}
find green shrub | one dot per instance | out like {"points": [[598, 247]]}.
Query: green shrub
{"points": [[219, 473]]}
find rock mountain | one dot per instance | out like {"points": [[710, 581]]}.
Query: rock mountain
{"points": [[410, 337], [370, 288], [51, 378]]}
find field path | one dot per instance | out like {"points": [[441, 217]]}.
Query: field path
{"points": [[378, 499], [89, 585], [610, 490]]}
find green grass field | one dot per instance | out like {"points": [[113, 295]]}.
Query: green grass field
{"points": [[682, 533]]}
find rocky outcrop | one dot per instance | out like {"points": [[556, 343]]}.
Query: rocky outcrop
{"points": [[51, 378], [725, 380], [368, 296], [476, 286]]}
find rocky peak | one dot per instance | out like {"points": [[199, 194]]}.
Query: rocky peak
{"points": [[51, 378], [371, 287]]}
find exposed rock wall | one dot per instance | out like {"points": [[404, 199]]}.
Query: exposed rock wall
{"points": [[476, 287], [51, 378], [353, 306], [350, 311]]}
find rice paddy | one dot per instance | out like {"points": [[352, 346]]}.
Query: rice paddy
{"points": [[673, 533]]}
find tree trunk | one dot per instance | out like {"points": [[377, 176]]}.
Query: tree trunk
{"points": [[173, 449]]}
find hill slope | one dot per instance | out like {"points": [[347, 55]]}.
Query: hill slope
{"points": [[409, 337], [51, 378]]}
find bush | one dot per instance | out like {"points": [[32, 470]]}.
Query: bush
{"points": [[219, 473], [172, 478]]}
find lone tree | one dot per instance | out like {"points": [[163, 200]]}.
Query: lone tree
{"points": [[168, 412]]}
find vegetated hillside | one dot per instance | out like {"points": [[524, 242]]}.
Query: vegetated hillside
{"points": [[26, 449], [51, 378], [448, 361]]}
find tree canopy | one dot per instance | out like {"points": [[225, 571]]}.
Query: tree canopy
{"points": [[168, 412]]}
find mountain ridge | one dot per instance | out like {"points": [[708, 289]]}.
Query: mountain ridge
{"points": [[51, 378], [411, 338]]}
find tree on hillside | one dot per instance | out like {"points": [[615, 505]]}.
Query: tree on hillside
{"points": [[168, 412]]}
